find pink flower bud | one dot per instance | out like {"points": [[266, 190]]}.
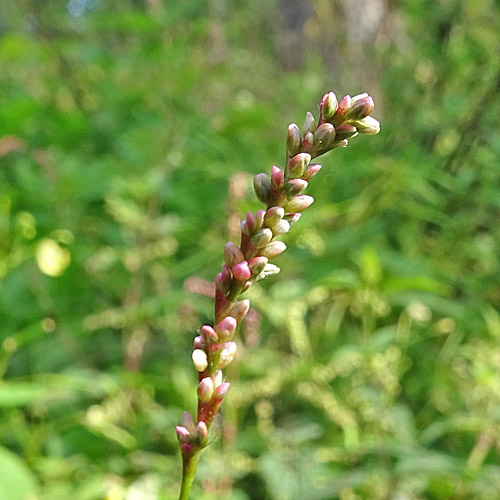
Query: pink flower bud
{"points": [[328, 106], [308, 141], [250, 222], [183, 435], [295, 186], [257, 264], [222, 390], [209, 334], [362, 105], [223, 279], [345, 131], [186, 448], [273, 249], [205, 389], [293, 140], [311, 171], [226, 275], [276, 178], [202, 430], [226, 328], [262, 238], [200, 360], [241, 272], [297, 165], [345, 104], [309, 123], [292, 218], [262, 187], [232, 254], [217, 378], [240, 309], [342, 109], [299, 203], [198, 342], [187, 421], [227, 355], [213, 348]]}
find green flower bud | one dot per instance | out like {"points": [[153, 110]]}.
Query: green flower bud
{"points": [[311, 171], [259, 219], [299, 203], [297, 165], [324, 136], [262, 187], [273, 249], [368, 126], [262, 238], [293, 140], [282, 227], [273, 216], [329, 105], [309, 124]]}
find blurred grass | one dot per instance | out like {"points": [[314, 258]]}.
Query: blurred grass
{"points": [[129, 132]]}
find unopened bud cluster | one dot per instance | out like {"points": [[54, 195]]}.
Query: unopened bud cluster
{"points": [[282, 194]]}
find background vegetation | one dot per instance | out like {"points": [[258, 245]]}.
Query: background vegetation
{"points": [[129, 132]]}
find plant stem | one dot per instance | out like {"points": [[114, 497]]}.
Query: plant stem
{"points": [[189, 466]]}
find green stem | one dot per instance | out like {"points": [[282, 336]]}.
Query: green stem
{"points": [[189, 466]]}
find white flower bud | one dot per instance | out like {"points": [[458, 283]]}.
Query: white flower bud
{"points": [[200, 360]]}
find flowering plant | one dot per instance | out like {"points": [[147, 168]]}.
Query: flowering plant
{"points": [[281, 192]]}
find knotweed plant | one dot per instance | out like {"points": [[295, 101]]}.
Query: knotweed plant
{"points": [[281, 193]]}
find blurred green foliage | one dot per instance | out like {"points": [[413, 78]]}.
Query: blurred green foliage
{"points": [[129, 131]]}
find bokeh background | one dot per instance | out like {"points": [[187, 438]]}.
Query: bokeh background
{"points": [[130, 130]]}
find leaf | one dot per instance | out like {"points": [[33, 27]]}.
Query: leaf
{"points": [[16, 480], [20, 394]]}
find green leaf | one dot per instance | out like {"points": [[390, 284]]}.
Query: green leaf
{"points": [[20, 394], [16, 480]]}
